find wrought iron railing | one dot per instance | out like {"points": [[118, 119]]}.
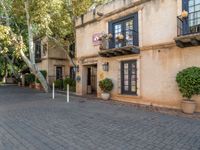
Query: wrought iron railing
{"points": [[186, 26]]}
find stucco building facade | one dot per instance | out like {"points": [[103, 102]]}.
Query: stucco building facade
{"points": [[52, 58], [150, 43]]}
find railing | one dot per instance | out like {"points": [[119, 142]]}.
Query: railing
{"points": [[186, 28]]}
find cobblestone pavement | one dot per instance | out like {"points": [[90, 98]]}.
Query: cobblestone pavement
{"points": [[30, 120]]}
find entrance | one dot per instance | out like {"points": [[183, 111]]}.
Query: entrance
{"points": [[92, 79]]}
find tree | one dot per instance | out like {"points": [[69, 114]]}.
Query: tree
{"points": [[55, 19]]}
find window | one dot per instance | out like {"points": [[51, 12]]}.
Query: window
{"points": [[124, 31], [192, 23], [129, 77], [194, 15], [59, 73], [72, 73], [38, 49]]}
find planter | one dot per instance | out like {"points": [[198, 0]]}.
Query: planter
{"points": [[38, 86], [105, 96], [32, 85], [188, 107]]}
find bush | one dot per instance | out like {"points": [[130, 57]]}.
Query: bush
{"points": [[58, 84], [72, 84], [44, 73], [188, 81], [106, 85], [29, 78]]}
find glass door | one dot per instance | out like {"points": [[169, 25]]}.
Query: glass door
{"points": [[129, 77]]}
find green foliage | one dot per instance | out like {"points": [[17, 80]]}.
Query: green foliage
{"points": [[188, 81], [106, 85], [72, 84], [59, 84], [29, 78], [44, 73]]}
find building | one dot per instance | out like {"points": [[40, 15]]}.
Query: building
{"points": [[141, 45], [52, 58]]}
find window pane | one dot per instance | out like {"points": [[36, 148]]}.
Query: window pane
{"points": [[197, 8], [129, 32], [191, 2], [197, 2]]}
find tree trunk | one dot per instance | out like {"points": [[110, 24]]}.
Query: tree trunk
{"points": [[35, 71], [11, 66], [31, 63], [5, 71]]}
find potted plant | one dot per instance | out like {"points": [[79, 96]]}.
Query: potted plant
{"points": [[106, 85], [188, 81], [31, 80], [105, 38], [120, 37]]}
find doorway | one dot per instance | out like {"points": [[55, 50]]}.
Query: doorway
{"points": [[92, 79]]}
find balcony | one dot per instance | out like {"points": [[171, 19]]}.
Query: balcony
{"points": [[187, 35], [111, 47]]}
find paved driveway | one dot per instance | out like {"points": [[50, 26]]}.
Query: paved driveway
{"points": [[31, 120]]}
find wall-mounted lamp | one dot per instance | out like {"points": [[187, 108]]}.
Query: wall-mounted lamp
{"points": [[105, 66], [184, 14]]}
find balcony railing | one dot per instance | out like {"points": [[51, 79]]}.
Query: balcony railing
{"points": [[183, 27], [188, 32], [111, 47]]}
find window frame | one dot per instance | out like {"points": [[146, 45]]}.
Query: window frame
{"points": [[133, 17], [187, 29], [129, 92], [61, 67]]}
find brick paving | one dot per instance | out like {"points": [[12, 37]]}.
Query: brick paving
{"points": [[30, 120]]}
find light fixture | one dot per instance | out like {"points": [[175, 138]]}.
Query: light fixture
{"points": [[184, 14], [105, 66]]}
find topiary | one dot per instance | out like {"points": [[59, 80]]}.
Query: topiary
{"points": [[106, 85], [188, 81], [71, 82], [59, 84], [29, 78]]}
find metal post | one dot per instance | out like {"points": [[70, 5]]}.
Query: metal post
{"points": [[53, 91], [67, 93]]}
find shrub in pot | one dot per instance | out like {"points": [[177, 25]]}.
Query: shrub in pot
{"points": [[29, 80], [59, 84], [72, 84], [106, 85], [188, 81]]}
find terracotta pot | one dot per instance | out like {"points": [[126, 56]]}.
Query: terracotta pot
{"points": [[105, 96], [188, 107], [32, 85], [38, 86]]}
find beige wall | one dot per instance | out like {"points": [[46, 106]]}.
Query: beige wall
{"points": [[157, 24], [159, 61], [56, 56]]}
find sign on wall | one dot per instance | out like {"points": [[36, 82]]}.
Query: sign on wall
{"points": [[95, 39]]}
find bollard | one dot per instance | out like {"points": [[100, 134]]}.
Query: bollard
{"points": [[67, 93], [53, 91]]}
